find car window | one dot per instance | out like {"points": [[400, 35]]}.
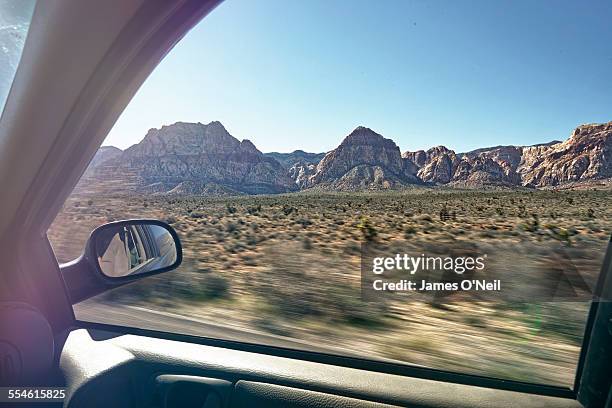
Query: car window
{"points": [[15, 19], [422, 183]]}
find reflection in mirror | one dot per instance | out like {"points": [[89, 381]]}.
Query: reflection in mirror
{"points": [[123, 250]]}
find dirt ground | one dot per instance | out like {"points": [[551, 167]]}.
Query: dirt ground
{"points": [[289, 265]]}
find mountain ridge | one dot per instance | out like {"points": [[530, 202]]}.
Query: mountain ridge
{"points": [[196, 158]]}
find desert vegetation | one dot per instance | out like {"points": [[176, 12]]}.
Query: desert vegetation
{"points": [[289, 265]]}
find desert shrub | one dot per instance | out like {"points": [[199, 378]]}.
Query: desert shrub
{"points": [[210, 286], [444, 214], [252, 210], [287, 209], [352, 248], [410, 231], [234, 248], [230, 209], [251, 240], [561, 234], [307, 243], [249, 260], [367, 230], [532, 225], [304, 222]]}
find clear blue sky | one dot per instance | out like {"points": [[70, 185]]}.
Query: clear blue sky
{"points": [[291, 74]]}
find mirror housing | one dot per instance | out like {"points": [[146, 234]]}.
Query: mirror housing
{"points": [[121, 252]]}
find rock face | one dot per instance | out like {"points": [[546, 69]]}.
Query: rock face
{"points": [[585, 156], [436, 165], [364, 159], [289, 160], [193, 158], [300, 165], [301, 172], [103, 154]]}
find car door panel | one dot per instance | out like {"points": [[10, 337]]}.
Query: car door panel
{"points": [[95, 368]]}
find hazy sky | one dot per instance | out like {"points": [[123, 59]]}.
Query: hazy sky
{"points": [[293, 74]]}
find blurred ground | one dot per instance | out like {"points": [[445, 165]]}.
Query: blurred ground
{"points": [[288, 267]]}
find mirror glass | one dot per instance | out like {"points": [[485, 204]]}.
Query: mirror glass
{"points": [[130, 249]]}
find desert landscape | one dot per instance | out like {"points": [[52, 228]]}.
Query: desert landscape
{"points": [[272, 242]]}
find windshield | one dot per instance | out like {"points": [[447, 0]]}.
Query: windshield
{"points": [[15, 19]]}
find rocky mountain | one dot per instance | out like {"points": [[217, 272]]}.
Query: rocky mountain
{"points": [[198, 159], [586, 155], [299, 164], [103, 154], [363, 160], [288, 160], [435, 165], [194, 158], [440, 165]]}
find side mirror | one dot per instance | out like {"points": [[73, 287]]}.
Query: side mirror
{"points": [[121, 252], [129, 248]]}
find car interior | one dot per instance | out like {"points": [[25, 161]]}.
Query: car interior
{"points": [[82, 63]]}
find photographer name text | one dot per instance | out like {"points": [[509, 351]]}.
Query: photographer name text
{"points": [[423, 285]]}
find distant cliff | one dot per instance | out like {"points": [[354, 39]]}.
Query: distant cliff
{"points": [[194, 159], [586, 155]]}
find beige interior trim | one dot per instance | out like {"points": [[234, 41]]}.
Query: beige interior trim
{"points": [[66, 42]]}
